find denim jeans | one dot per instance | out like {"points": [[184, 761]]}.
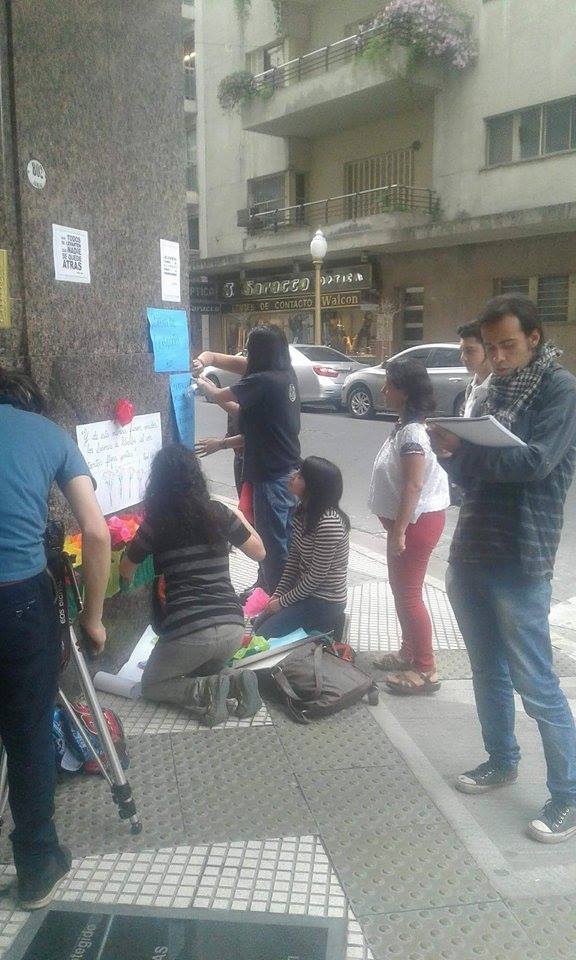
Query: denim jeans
{"points": [[273, 509], [312, 613], [29, 665], [503, 616]]}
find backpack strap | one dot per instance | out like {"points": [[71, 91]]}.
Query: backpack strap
{"points": [[278, 674]]}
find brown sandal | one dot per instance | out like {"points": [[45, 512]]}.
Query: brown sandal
{"points": [[391, 662], [406, 687]]}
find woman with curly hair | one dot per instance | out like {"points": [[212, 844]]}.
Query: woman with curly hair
{"points": [[189, 536], [409, 494]]}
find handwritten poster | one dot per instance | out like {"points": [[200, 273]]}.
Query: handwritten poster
{"points": [[170, 270], [170, 342], [4, 290], [120, 457], [183, 403], [71, 254]]}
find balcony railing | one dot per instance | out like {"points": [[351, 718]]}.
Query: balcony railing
{"points": [[317, 61], [348, 206]]}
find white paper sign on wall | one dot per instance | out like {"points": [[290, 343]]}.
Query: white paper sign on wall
{"points": [[71, 254], [119, 458], [170, 270], [36, 174]]}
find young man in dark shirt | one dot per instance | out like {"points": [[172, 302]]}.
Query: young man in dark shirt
{"points": [[269, 408], [502, 556]]}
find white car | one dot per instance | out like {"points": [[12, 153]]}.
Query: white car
{"points": [[320, 371], [362, 393]]}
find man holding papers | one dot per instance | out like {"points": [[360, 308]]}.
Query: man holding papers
{"points": [[503, 551]]}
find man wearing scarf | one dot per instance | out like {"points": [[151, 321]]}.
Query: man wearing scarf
{"points": [[502, 556]]}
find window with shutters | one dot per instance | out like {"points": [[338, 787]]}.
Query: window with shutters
{"points": [[555, 294], [412, 313], [388, 170]]}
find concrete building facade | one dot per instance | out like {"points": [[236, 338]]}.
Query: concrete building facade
{"points": [[440, 187]]}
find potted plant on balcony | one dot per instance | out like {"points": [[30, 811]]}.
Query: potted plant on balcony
{"points": [[430, 29], [235, 89]]}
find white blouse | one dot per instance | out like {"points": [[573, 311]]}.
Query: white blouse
{"points": [[387, 481]]}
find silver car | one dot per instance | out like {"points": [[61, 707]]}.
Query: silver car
{"points": [[320, 371], [362, 392]]}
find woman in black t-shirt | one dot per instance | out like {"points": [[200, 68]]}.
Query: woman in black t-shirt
{"points": [[202, 625], [269, 405]]}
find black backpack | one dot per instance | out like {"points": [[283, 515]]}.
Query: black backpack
{"points": [[315, 682]]}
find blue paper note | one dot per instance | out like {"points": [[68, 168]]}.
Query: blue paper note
{"points": [[183, 403], [170, 343]]}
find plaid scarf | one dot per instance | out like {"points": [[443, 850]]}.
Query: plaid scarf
{"points": [[508, 397]]}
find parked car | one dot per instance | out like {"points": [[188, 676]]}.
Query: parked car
{"points": [[321, 372], [362, 390]]}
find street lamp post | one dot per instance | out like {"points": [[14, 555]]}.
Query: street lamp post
{"points": [[318, 250]]}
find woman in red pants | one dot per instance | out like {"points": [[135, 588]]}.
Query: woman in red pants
{"points": [[409, 493]]}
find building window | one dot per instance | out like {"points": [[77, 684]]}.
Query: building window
{"points": [[551, 293], [194, 232], [189, 63], [273, 56], [536, 132], [373, 174], [191, 160], [267, 193], [412, 313]]}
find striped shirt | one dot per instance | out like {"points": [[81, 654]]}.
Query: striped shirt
{"points": [[199, 592], [317, 563]]}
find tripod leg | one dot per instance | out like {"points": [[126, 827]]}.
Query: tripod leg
{"points": [[121, 790], [85, 737], [3, 783]]}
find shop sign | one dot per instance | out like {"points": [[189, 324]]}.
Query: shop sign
{"points": [[204, 291], [204, 306], [337, 279], [290, 304]]}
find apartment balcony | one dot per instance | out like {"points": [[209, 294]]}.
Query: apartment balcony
{"points": [[390, 200], [336, 87]]}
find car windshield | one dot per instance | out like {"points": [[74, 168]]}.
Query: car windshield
{"points": [[318, 354]]}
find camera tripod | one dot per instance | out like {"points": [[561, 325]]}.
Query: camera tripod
{"points": [[62, 572]]}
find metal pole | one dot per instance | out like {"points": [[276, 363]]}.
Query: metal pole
{"points": [[318, 302], [121, 791]]}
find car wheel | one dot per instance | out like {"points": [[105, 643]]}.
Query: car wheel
{"points": [[360, 404], [458, 404]]}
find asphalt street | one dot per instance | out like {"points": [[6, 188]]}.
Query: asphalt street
{"points": [[353, 445]]}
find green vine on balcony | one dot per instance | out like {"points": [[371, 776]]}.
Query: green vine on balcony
{"points": [[243, 9], [236, 89]]}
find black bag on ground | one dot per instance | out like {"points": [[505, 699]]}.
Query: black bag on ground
{"points": [[315, 682]]}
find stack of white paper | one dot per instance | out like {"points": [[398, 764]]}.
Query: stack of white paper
{"points": [[126, 683]]}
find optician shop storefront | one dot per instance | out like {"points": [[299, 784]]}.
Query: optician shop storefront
{"points": [[349, 309]]}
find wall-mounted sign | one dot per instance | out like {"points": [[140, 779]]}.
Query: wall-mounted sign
{"points": [[334, 279], [204, 291], [36, 174], [4, 290], [199, 306], [170, 270], [71, 254]]}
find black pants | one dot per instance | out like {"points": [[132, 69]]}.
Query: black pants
{"points": [[29, 665]]}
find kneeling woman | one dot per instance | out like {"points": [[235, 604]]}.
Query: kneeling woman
{"points": [[312, 590], [189, 536]]}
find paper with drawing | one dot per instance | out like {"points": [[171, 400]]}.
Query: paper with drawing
{"points": [[120, 457]]}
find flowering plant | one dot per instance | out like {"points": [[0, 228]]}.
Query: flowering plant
{"points": [[431, 28], [122, 530]]}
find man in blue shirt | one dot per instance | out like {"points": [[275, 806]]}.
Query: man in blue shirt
{"points": [[35, 453]]}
